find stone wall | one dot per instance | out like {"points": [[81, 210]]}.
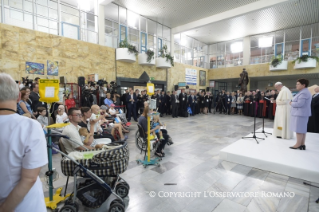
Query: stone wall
{"points": [[76, 58], [256, 70]]}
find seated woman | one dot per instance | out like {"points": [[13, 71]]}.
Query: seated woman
{"points": [[23, 107], [112, 126], [113, 112], [143, 122], [86, 114]]}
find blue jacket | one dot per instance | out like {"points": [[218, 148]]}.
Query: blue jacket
{"points": [[301, 103], [128, 97]]}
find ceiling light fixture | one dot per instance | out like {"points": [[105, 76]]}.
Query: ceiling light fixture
{"points": [[236, 47], [84, 5], [265, 42]]}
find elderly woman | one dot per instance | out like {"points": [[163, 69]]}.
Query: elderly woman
{"points": [[300, 112], [23, 106]]}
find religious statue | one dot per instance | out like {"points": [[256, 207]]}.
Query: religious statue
{"points": [[243, 81]]}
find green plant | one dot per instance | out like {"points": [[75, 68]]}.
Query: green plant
{"points": [[304, 58], [132, 49], [166, 55], [276, 60], [150, 55]]}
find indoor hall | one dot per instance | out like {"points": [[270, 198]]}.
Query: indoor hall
{"points": [[122, 105]]}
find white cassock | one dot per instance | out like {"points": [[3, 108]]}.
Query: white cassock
{"points": [[282, 116]]}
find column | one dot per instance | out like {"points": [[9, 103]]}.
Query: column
{"points": [[101, 25]]}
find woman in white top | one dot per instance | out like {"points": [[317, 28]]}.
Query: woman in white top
{"points": [[61, 117]]}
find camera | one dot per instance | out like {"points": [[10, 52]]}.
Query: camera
{"points": [[101, 82], [27, 82]]}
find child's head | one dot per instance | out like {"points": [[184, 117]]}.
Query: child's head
{"points": [[103, 110], [95, 109], [42, 111], [112, 106], [85, 136], [156, 118]]}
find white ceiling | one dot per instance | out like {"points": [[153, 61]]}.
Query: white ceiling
{"points": [[174, 13], [283, 16]]}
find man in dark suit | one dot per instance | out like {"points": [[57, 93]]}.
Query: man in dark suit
{"points": [[162, 103], [182, 103], [313, 123], [123, 99], [35, 97], [175, 104], [168, 103], [191, 103], [131, 105], [228, 100]]}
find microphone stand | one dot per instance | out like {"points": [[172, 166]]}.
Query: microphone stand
{"points": [[263, 129], [254, 133]]}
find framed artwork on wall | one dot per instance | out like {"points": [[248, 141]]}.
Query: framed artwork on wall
{"points": [[202, 78], [53, 68], [34, 68]]}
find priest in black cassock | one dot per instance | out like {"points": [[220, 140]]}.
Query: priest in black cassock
{"points": [[183, 104], [262, 106], [168, 103], [272, 106], [247, 100], [313, 123]]}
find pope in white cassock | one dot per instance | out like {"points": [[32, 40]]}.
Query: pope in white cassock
{"points": [[282, 116]]}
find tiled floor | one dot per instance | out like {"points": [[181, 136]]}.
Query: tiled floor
{"points": [[192, 165]]}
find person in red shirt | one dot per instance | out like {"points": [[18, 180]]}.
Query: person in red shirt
{"points": [[70, 102]]}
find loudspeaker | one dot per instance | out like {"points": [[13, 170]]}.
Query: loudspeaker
{"points": [[207, 88], [81, 81], [63, 80], [187, 87], [175, 87]]}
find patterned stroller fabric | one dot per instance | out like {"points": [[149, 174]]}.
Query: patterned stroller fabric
{"points": [[107, 163]]}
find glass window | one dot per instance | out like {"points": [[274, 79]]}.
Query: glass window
{"points": [[111, 12], [306, 32], [143, 24], [177, 53], [177, 38], [159, 30], [151, 27], [159, 45], [132, 20], [122, 15], [315, 46], [143, 42], [291, 50], [16, 4], [150, 42], [123, 34], [166, 33]]}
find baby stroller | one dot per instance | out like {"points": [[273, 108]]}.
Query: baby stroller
{"points": [[94, 191]]}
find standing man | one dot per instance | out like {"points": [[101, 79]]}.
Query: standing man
{"points": [[168, 103], [123, 99], [23, 152], [131, 105], [139, 101], [162, 104], [313, 123], [282, 116], [34, 98], [228, 100], [182, 103], [191, 103], [175, 104]]}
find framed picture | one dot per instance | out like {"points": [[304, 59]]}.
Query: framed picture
{"points": [[202, 78], [34, 68], [53, 68]]}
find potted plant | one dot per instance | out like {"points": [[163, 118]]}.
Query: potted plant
{"points": [[146, 58], [165, 60], [306, 61], [277, 63], [126, 52]]}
